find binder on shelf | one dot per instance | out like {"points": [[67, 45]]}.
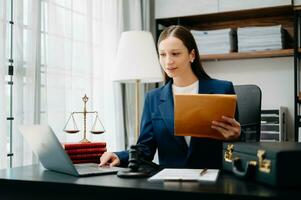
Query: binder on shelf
{"points": [[262, 38], [274, 125], [215, 41]]}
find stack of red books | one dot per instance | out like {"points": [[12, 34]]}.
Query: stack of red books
{"points": [[85, 152]]}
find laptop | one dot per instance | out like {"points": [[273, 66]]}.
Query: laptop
{"points": [[52, 155]]}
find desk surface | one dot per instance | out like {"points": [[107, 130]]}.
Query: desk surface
{"points": [[34, 181]]}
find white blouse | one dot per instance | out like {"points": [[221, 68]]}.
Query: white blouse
{"points": [[190, 89]]}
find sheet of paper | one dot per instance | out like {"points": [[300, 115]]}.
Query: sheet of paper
{"points": [[194, 113], [174, 174]]}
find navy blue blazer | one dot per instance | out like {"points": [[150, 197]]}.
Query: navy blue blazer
{"points": [[157, 131]]}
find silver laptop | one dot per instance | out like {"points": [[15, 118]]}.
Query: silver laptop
{"points": [[52, 155]]}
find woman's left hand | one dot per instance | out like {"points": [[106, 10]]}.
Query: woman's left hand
{"points": [[229, 127]]}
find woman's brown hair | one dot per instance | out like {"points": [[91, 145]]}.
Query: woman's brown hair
{"points": [[188, 40]]}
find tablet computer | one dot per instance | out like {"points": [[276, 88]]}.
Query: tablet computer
{"points": [[194, 113]]}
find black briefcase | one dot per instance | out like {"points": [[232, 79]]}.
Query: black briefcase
{"points": [[272, 163]]}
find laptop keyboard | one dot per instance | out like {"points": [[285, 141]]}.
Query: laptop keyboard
{"points": [[93, 168]]}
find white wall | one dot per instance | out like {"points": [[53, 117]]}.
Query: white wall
{"points": [[275, 77], [230, 5], [297, 2], [176, 8]]}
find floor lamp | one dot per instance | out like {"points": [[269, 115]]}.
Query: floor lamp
{"points": [[137, 61]]}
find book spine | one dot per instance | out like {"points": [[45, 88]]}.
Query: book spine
{"points": [[84, 145], [86, 161], [85, 156], [86, 151]]}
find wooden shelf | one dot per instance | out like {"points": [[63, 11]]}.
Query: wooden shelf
{"points": [[228, 16], [233, 19], [248, 55], [297, 8], [283, 15]]}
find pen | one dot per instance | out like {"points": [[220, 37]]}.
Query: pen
{"points": [[204, 171]]}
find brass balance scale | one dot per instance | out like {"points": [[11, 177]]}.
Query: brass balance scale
{"points": [[97, 127]]}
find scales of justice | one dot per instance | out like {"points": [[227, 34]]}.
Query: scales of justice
{"points": [[97, 127]]}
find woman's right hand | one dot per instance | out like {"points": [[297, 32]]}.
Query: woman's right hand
{"points": [[109, 158]]}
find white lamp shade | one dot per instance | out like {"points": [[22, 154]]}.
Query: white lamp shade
{"points": [[137, 58]]}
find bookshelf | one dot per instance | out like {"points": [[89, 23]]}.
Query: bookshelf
{"points": [[280, 15]]}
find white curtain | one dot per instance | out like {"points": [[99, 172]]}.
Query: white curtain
{"points": [[63, 50], [25, 89], [25, 37], [3, 66], [80, 47], [109, 31]]}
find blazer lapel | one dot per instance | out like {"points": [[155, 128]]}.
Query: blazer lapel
{"points": [[205, 87], [166, 108]]}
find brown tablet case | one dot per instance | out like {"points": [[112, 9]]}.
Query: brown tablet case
{"points": [[194, 113]]}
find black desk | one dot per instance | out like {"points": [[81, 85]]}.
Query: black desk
{"points": [[34, 182]]}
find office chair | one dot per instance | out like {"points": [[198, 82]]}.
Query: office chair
{"points": [[249, 111]]}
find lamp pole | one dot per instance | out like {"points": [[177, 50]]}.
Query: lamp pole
{"points": [[137, 61], [137, 82]]}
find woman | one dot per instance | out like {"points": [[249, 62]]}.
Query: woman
{"points": [[183, 74]]}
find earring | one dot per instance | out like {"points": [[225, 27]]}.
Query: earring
{"points": [[191, 61]]}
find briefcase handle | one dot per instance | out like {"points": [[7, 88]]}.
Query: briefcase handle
{"points": [[243, 172]]}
